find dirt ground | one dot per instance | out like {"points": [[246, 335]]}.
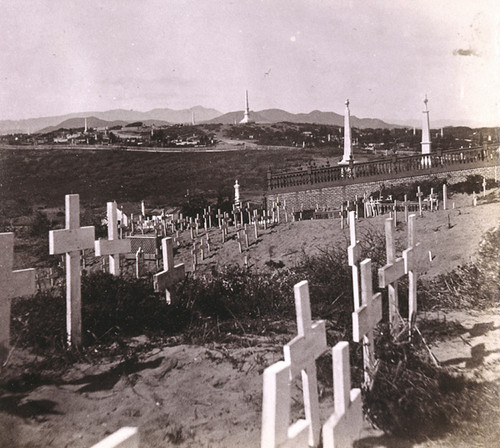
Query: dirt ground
{"points": [[211, 396]]}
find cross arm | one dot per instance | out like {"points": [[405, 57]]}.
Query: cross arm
{"points": [[112, 247], [20, 283], [391, 272], [69, 240], [366, 317]]}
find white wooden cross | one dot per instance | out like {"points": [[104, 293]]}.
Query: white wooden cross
{"points": [[71, 241], [484, 186], [126, 437], [395, 208], [139, 262], [113, 246], [164, 280], [219, 217], [419, 196], [415, 260], [300, 357], [224, 230], [344, 426], [276, 399], [354, 254], [389, 274], [365, 319], [301, 353], [12, 284]]}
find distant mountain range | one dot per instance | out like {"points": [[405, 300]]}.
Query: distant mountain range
{"points": [[168, 116], [161, 117], [316, 116]]}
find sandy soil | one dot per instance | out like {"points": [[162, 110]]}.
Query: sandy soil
{"points": [[211, 396]]}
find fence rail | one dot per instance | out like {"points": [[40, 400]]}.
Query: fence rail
{"points": [[395, 167]]}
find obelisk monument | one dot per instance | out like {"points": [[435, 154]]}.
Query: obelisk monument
{"points": [[347, 136], [246, 116], [426, 133]]}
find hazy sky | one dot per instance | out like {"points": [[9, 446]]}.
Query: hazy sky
{"points": [[67, 56]]}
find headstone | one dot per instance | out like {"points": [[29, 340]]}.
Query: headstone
{"points": [[12, 284], [300, 357], [71, 241], [126, 437], [354, 254], [415, 260], [389, 274], [343, 427], [113, 246], [365, 318], [163, 281]]}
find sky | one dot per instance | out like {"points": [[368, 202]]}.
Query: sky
{"points": [[59, 57]]}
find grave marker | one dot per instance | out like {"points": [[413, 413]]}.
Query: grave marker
{"points": [[300, 357], [344, 426], [415, 260], [163, 281], [12, 284], [365, 319], [389, 274], [139, 262], [71, 241], [445, 196], [354, 254], [484, 186], [126, 437], [113, 246], [419, 196], [406, 203]]}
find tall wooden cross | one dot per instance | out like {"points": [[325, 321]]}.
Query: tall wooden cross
{"points": [[366, 317], [220, 217], [113, 246], [354, 255], [163, 281], [419, 196], [301, 354], [71, 241], [415, 260], [389, 274], [12, 284], [344, 426]]}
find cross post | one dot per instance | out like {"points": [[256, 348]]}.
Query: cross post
{"points": [[415, 261], [113, 246], [171, 274], [344, 426], [301, 354], [71, 241], [366, 317], [354, 254], [126, 437], [419, 196], [445, 196], [12, 284], [389, 274]]}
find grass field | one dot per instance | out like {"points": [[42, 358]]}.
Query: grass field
{"points": [[32, 178]]}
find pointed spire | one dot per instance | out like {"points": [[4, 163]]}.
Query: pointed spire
{"points": [[426, 133], [246, 116], [347, 135]]}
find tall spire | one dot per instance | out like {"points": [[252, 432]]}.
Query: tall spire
{"points": [[426, 133], [246, 116], [347, 135]]}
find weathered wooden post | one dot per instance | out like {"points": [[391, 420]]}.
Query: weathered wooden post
{"points": [[71, 241], [163, 281]]}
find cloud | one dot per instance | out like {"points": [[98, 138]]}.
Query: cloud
{"points": [[462, 52]]}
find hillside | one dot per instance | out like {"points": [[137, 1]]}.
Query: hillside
{"points": [[316, 117]]}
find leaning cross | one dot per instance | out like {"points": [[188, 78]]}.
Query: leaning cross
{"points": [[389, 274], [343, 427], [301, 354], [354, 254], [415, 261], [164, 280], [13, 284], [366, 318], [71, 241], [113, 246]]}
